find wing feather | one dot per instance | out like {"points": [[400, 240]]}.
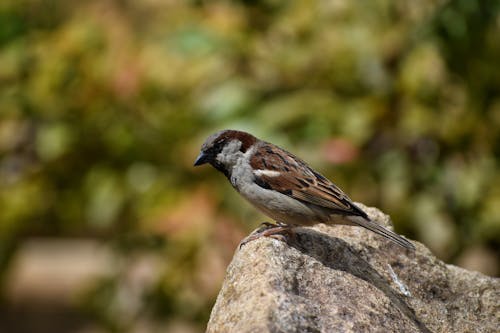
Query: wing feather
{"points": [[286, 173], [296, 179]]}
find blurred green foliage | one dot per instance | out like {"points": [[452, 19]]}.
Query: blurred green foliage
{"points": [[104, 104]]}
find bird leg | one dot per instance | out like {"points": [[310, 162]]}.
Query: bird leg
{"points": [[278, 231]]}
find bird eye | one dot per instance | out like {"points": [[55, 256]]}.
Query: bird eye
{"points": [[219, 144]]}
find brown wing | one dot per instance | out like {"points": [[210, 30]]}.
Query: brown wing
{"points": [[296, 179]]}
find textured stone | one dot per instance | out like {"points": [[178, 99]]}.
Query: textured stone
{"points": [[347, 279]]}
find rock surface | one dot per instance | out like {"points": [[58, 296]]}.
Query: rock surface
{"points": [[346, 279]]}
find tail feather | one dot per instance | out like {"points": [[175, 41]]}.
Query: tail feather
{"points": [[382, 231]]}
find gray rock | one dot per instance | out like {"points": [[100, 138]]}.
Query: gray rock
{"points": [[347, 279]]}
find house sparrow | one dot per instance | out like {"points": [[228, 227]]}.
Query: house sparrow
{"points": [[283, 186]]}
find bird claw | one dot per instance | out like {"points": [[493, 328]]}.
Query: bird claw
{"points": [[278, 231]]}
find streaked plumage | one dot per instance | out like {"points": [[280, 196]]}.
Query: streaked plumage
{"points": [[282, 185]]}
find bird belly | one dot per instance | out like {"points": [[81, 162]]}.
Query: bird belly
{"points": [[280, 207]]}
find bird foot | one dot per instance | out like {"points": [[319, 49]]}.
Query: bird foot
{"points": [[279, 231]]}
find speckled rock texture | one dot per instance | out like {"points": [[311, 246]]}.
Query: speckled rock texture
{"points": [[346, 279]]}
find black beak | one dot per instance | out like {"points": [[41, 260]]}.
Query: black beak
{"points": [[202, 159]]}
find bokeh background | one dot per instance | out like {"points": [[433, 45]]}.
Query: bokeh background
{"points": [[105, 226]]}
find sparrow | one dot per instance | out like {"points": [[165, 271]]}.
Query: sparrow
{"points": [[283, 186]]}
